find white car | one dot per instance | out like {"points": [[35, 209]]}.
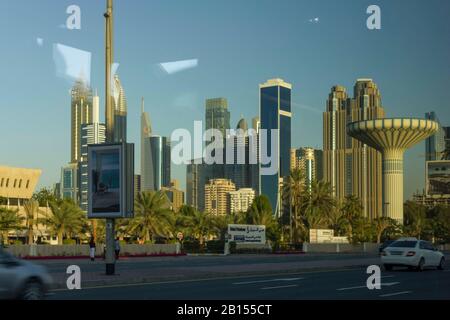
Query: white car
{"points": [[412, 253]]}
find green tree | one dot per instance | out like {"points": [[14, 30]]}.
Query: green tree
{"points": [[295, 194], [380, 225], [439, 224], [415, 219], [44, 196], [352, 211], [260, 213], [31, 208], [65, 219], [153, 216], [9, 221], [199, 225]]}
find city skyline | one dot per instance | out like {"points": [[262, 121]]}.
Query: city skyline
{"points": [[404, 92]]}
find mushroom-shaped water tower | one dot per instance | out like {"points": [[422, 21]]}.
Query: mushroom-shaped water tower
{"points": [[392, 137]]}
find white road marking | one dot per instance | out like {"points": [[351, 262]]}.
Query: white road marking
{"points": [[267, 280], [387, 284], [279, 287], [395, 294]]}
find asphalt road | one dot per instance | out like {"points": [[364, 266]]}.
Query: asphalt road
{"points": [[330, 284]]}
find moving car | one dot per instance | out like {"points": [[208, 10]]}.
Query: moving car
{"points": [[412, 253], [21, 279]]}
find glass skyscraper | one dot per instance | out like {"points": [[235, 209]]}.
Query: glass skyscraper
{"points": [[217, 115], [275, 114], [159, 165], [435, 145]]}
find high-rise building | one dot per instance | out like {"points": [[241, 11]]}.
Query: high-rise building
{"points": [[69, 182], [309, 161], [175, 195], [217, 115], [446, 155], [159, 163], [241, 200], [81, 113], [350, 166], [435, 145], [216, 196], [256, 124], [137, 184], [120, 111], [275, 114], [91, 133], [146, 132]]}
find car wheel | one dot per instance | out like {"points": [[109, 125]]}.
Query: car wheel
{"points": [[33, 290], [441, 264], [388, 267], [421, 264]]}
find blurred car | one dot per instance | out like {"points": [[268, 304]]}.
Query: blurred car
{"points": [[384, 245], [21, 279], [412, 253]]}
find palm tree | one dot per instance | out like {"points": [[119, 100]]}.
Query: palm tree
{"points": [[65, 219], [153, 216], [31, 208], [9, 220], [321, 198], [380, 225], [294, 193], [338, 221], [199, 225], [415, 218], [352, 209]]}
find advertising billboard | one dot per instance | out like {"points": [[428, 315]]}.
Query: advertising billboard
{"points": [[438, 177], [244, 233], [110, 180]]}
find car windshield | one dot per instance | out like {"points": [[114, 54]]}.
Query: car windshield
{"points": [[403, 244]]}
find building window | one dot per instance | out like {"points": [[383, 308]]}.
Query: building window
{"points": [[7, 182], [1, 184], [15, 182], [28, 184], [20, 183]]}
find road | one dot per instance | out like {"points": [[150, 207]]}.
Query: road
{"points": [[337, 283]]}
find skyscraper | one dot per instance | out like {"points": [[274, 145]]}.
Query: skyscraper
{"points": [[310, 162], [350, 166], [216, 196], [159, 163], [435, 145], [91, 133], [81, 113], [120, 111], [146, 132], [241, 200], [275, 114], [217, 115]]}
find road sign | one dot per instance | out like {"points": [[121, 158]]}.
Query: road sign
{"points": [[247, 233]]}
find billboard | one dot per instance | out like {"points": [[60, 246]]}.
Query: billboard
{"points": [[110, 181], [245, 233], [438, 177]]}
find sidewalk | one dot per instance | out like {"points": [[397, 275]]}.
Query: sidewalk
{"points": [[135, 271]]}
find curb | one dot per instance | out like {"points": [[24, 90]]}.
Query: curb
{"points": [[101, 257]]}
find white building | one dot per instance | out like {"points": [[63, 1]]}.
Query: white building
{"points": [[241, 200]]}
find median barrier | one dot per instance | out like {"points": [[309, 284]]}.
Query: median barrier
{"points": [[25, 251], [340, 248]]}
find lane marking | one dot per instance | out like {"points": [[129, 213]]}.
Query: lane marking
{"points": [[395, 294], [280, 287], [208, 279], [387, 284], [267, 280]]}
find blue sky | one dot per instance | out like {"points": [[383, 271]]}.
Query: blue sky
{"points": [[239, 44]]}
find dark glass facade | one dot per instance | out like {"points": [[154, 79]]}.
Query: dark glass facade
{"points": [[275, 113]]}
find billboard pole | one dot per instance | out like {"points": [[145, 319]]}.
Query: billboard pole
{"points": [[110, 259]]}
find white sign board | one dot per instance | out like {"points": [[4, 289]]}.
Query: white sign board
{"points": [[245, 233]]}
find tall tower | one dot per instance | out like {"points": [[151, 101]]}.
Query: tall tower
{"points": [[146, 132], [434, 145], [275, 114], [350, 166], [81, 113], [109, 59], [120, 111], [217, 115]]}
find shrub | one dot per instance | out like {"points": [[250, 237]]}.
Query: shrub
{"points": [[232, 246], [215, 246], [69, 241], [192, 246]]}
